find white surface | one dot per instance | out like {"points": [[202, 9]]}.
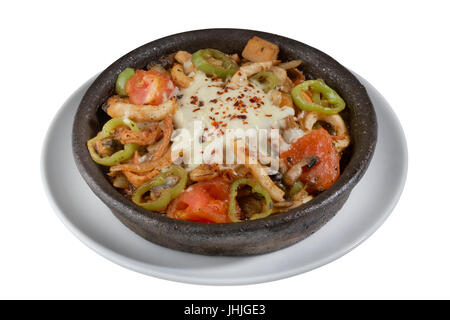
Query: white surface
{"points": [[92, 222], [51, 47]]}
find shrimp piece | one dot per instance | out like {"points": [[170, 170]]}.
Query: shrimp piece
{"points": [[234, 172], [247, 70], [138, 180], [179, 77], [204, 172], [342, 140], [122, 108], [168, 129], [163, 162], [142, 138]]}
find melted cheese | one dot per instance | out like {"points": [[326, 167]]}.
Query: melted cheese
{"points": [[218, 109]]}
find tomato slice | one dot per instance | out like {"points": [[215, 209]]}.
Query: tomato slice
{"points": [[149, 87], [317, 143], [205, 201]]}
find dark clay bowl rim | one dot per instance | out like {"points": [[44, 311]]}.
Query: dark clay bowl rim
{"points": [[353, 172]]}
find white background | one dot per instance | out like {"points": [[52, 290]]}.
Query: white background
{"points": [[49, 48]]}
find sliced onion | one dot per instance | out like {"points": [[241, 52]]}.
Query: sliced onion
{"points": [[290, 64]]}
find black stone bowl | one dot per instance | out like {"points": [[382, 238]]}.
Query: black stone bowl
{"points": [[250, 237]]}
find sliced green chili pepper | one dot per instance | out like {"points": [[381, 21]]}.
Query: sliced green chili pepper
{"points": [[122, 80], [205, 60], [256, 188], [268, 80], [166, 195], [332, 102], [118, 156], [316, 97], [298, 185]]}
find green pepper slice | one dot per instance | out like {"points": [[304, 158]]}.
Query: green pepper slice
{"points": [[214, 62], [256, 188], [166, 195], [267, 79], [331, 104], [118, 156], [122, 80], [298, 185]]}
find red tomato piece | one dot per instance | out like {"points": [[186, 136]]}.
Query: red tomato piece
{"points": [[205, 201], [318, 143], [149, 87]]}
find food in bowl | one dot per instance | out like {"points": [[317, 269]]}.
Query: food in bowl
{"points": [[216, 137]]}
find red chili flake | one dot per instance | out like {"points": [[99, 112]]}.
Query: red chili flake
{"points": [[242, 116], [268, 115], [239, 104], [196, 109], [245, 122], [201, 104], [194, 99], [250, 85], [213, 100]]}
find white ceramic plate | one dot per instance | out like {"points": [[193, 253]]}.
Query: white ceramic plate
{"points": [[369, 204]]}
